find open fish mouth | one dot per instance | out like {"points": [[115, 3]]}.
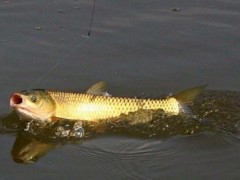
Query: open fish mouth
{"points": [[15, 100]]}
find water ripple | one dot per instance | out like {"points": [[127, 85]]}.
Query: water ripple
{"points": [[128, 154]]}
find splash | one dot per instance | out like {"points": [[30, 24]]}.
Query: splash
{"points": [[216, 111]]}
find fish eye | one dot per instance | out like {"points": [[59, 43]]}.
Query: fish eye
{"points": [[34, 99]]}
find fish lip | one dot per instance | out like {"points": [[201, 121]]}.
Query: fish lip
{"points": [[16, 100]]}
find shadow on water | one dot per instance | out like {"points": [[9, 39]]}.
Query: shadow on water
{"points": [[215, 111]]}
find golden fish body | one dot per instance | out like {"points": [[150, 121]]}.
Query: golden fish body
{"points": [[47, 105], [91, 107]]}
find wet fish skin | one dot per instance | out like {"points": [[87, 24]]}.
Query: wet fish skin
{"points": [[91, 107], [47, 105]]}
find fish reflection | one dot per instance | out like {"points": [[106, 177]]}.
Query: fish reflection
{"points": [[34, 140], [28, 149]]}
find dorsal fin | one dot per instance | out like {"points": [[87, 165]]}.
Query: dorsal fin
{"points": [[97, 89]]}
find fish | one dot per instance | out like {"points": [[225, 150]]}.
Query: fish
{"points": [[94, 105]]}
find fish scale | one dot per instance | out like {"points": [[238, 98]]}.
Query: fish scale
{"points": [[95, 104], [93, 107]]}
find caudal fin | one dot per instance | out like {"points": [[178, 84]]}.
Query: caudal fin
{"points": [[187, 97]]}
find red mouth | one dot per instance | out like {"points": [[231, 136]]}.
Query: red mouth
{"points": [[15, 100]]}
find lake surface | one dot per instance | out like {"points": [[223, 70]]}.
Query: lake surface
{"points": [[140, 48]]}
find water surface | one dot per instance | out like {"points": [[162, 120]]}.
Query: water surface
{"points": [[138, 48]]}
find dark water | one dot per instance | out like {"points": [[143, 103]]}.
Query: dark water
{"points": [[137, 47]]}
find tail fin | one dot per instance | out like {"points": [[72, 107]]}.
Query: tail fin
{"points": [[187, 97]]}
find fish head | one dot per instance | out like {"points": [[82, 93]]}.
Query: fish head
{"points": [[33, 104]]}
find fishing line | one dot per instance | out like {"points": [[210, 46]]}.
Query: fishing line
{"points": [[74, 49], [58, 63], [92, 16]]}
